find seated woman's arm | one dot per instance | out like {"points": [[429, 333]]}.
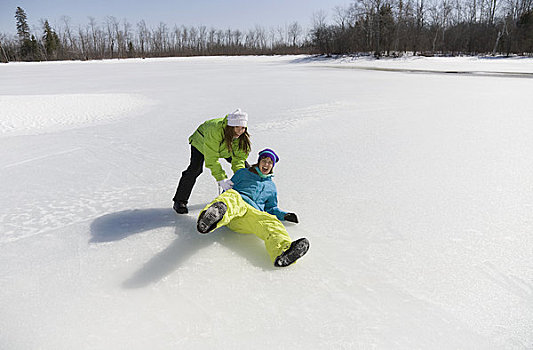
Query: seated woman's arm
{"points": [[271, 206]]}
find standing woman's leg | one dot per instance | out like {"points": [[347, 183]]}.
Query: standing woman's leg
{"points": [[189, 176]]}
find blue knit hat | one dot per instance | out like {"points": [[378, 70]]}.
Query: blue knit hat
{"points": [[267, 152]]}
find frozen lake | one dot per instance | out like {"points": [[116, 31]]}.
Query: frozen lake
{"points": [[414, 187]]}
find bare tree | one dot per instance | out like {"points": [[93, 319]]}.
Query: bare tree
{"points": [[250, 40], [440, 12], [261, 37], [83, 36], [68, 38], [282, 36], [419, 24], [202, 39], [118, 36], [4, 57], [237, 37], [92, 34], [143, 35], [294, 32], [341, 16], [127, 38], [110, 37], [211, 41], [320, 32]]}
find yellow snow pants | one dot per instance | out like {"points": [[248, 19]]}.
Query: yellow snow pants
{"points": [[241, 217]]}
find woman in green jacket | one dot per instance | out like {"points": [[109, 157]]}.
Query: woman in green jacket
{"points": [[226, 138]]}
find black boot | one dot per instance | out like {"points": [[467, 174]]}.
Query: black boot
{"points": [[208, 219], [180, 207], [297, 249]]}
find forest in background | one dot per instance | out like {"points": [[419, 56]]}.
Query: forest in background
{"points": [[376, 27]]}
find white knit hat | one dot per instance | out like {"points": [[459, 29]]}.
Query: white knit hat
{"points": [[238, 118]]}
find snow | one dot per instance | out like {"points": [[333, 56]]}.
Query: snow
{"points": [[51, 113], [414, 190], [511, 66]]}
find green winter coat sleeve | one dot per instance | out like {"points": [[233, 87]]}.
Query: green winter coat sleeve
{"points": [[213, 140]]}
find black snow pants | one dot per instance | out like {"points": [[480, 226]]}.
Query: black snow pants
{"points": [[189, 176]]}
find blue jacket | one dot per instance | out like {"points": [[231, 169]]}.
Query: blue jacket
{"points": [[260, 193]]}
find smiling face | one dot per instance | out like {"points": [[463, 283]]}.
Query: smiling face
{"points": [[266, 165]]}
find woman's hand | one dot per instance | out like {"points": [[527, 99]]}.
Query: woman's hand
{"points": [[291, 217]]}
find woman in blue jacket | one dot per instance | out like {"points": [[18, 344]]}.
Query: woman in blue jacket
{"points": [[252, 207]]}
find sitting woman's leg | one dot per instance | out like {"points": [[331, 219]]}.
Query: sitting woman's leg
{"points": [[229, 209], [265, 226], [221, 211]]}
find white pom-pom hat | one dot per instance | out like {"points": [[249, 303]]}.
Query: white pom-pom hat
{"points": [[238, 118]]}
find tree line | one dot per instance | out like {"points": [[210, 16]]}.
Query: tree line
{"points": [[379, 27], [431, 27], [121, 39]]}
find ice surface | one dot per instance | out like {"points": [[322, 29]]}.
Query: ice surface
{"points": [[32, 114], [414, 190]]}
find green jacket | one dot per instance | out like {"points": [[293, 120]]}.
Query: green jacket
{"points": [[209, 140]]}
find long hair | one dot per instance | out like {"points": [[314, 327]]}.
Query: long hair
{"points": [[244, 140]]}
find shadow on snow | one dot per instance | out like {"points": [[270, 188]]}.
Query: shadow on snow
{"points": [[120, 225]]}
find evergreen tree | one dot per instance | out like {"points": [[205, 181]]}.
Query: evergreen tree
{"points": [[34, 49], [23, 29], [27, 45], [51, 41]]}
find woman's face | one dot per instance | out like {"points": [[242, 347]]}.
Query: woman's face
{"points": [[265, 165], [238, 131]]}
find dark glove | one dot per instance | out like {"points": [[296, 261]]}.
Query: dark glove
{"points": [[291, 217]]}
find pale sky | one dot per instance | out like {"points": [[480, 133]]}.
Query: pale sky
{"points": [[234, 14]]}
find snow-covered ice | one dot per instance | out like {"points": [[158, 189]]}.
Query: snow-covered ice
{"points": [[31, 114], [414, 190]]}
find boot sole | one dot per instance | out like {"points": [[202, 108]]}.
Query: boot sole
{"points": [[297, 249], [209, 218]]}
